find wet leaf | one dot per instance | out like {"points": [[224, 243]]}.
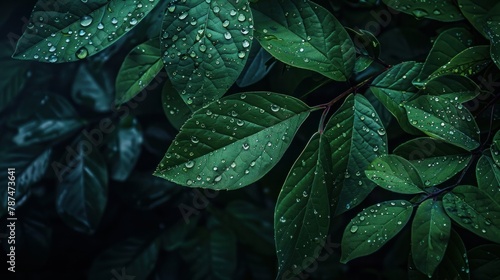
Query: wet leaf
{"points": [[441, 10], [456, 87], [175, 109]]}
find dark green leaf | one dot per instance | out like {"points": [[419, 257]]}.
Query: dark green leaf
{"points": [[447, 45], [305, 35], [71, 30], [429, 236], [488, 177], [492, 30], [476, 11], [442, 10], [495, 148], [93, 88], [484, 262], [205, 57], [444, 119], [13, 80], [435, 161], [356, 138], [456, 87], [474, 210], [175, 236], [138, 69], [362, 62], [394, 87], [395, 174], [257, 69], [127, 144], [134, 257], [373, 227], [175, 109], [233, 142], [82, 191], [365, 42], [302, 214]]}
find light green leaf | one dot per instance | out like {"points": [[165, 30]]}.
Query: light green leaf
{"points": [[474, 210], [13, 80], [302, 214], [444, 119], [469, 62], [456, 87], [135, 257], [356, 138], [67, 31], [205, 57], [484, 262], [430, 233], [441, 10], [139, 68], [395, 174], [305, 35], [488, 177], [448, 44], [82, 191], [175, 109], [373, 227], [233, 142], [435, 161], [394, 87]]}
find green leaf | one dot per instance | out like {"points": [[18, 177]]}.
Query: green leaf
{"points": [[261, 65], [488, 177], [44, 118], [13, 80], [430, 233], [362, 62], [476, 11], [394, 87], [305, 35], [93, 88], [395, 174], [356, 138], [373, 227], [484, 262], [435, 161], [72, 30], [139, 68], [302, 214], [175, 109], [492, 31], [469, 62], [135, 257], [474, 210], [441, 10], [444, 119], [174, 237], [495, 148], [365, 42], [448, 44], [205, 57], [233, 142], [456, 87], [82, 191], [126, 145]]}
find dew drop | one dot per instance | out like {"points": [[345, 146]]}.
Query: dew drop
{"points": [[354, 228], [227, 35], [86, 21], [189, 164], [82, 53]]}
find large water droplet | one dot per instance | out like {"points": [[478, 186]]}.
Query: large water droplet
{"points": [[82, 53], [86, 21], [227, 35], [354, 228]]}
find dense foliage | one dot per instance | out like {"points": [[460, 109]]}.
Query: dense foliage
{"points": [[165, 146]]}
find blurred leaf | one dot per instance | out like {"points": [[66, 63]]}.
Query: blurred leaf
{"points": [[435, 161], [131, 258], [395, 174], [474, 210], [13, 80], [82, 191], [175, 109], [174, 237], [444, 119], [204, 58], [139, 68], [441, 10], [257, 69], [373, 227], [365, 42], [102, 21], [484, 262], [302, 214], [92, 89], [430, 233], [228, 144], [346, 130], [311, 38]]}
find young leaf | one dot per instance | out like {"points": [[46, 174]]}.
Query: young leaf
{"points": [[395, 174], [435, 161], [430, 232], [488, 177], [134, 256], [305, 35], [82, 191], [484, 261], [447, 45], [233, 142], [373, 227], [456, 87], [474, 210], [67, 31], [302, 214], [442, 10], [355, 121], [205, 57], [138, 69], [175, 109], [444, 119], [394, 87]]}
